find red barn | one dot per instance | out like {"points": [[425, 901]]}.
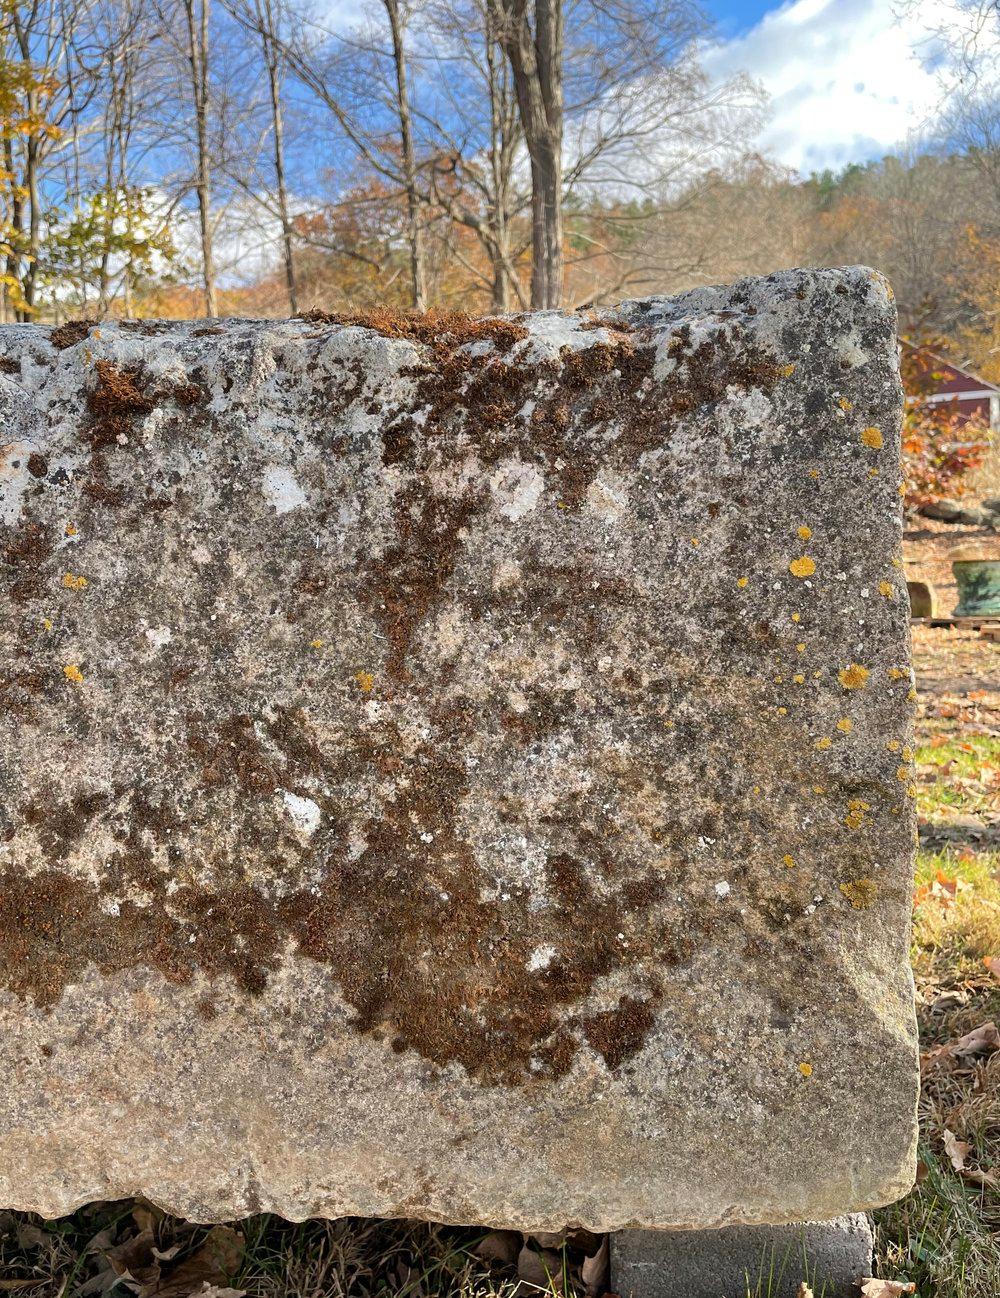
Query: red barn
{"points": [[943, 381]]}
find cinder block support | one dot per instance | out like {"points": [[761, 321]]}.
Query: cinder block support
{"points": [[762, 1261]]}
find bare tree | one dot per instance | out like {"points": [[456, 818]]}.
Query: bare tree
{"points": [[532, 39], [196, 18]]}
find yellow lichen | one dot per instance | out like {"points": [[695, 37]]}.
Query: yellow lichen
{"points": [[872, 438], [47, 623], [802, 567], [824, 743], [796, 617], [742, 582], [853, 677], [855, 818], [814, 473], [316, 644], [789, 860], [799, 679], [911, 791], [73, 673], [787, 370], [912, 696], [805, 532], [695, 541], [778, 680], [860, 892], [907, 754], [873, 473], [892, 745], [845, 404], [818, 788], [365, 681], [72, 582], [887, 589], [782, 712], [806, 1069], [846, 725], [897, 563], [70, 530], [896, 673], [800, 648]]}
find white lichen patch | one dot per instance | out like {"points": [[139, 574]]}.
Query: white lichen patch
{"points": [[304, 814], [282, 490], [516, 488], [540, 958]]}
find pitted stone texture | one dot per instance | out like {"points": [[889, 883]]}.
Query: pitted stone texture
{"points": [[459, 770]]}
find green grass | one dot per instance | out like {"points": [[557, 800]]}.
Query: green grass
{"points": [[945, 1235]]}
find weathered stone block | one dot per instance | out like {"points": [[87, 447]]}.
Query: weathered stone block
{"points": [[830, 1257], [459, 770]]}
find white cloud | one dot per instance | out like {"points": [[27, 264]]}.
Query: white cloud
{"points": [[848, 80]]}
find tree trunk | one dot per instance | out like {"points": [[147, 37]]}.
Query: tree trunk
{"points": [[269, 43], [536, 57], [198, 61], [418, 286]]}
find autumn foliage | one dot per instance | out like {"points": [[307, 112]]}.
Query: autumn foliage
{"points": [[940, 445]]}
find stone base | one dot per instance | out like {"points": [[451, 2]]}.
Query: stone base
{"points": [[762, 1261]]}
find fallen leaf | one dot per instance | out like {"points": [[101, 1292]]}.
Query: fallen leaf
{"points": [[594, 1271], [986, 1180], [957, 1150], [922, 1171], [542, 1270], [992, 963], [872, 1288], [214, 1263], [133, 1260], [8, 1286], [980, 1041], [500, 1247]]}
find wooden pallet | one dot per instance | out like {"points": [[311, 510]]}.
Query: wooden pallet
{"points": [[969, 623]]}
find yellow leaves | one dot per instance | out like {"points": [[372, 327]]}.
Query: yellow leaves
{"points": [[804, 533], [365, 681], [802, 567], [73, 673], [806, 1068], [853, 677], [72, 582], [743, 582], [872, 438], [860, 892], [845, 725]]}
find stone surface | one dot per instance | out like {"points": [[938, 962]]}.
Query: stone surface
{"points": [[459, 770], [773, 1261]]}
